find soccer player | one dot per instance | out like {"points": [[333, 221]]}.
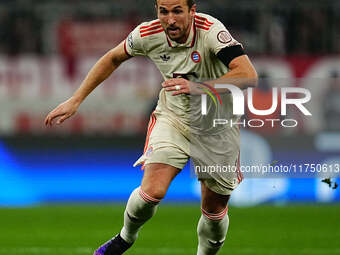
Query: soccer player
{"points": [[188, 48]]}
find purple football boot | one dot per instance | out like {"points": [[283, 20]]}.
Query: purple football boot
{"points": [[115, 246]]}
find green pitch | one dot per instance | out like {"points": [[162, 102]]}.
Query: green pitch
{"points": [[66, 230]]}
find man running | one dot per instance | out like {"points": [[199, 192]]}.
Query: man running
{"points": [[193, 51]]}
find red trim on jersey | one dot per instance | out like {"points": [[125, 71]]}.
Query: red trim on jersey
{"points": [[168, 41], [202, 23], [153, 32], [205, 28], [152, 24], [194, 38], [127, 53], [150, 28], [204, 19], [238, 171]]}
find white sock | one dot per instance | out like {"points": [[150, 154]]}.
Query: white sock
{"points": [[212, 230], [140, 207]]}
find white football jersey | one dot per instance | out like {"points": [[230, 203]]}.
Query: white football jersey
{"points": [[196, 60]]}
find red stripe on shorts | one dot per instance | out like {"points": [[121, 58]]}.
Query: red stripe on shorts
{"points": [[152, 123], [238, 170]]}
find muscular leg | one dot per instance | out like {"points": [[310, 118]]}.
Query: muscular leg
{"points": [[213, 224], [157, 178], [143, 201]]}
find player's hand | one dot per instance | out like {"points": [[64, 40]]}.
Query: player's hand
{"points": [[62, 112], [182, 86]]}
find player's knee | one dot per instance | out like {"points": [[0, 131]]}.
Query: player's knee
{"points": [[213, 209], [155, 192], [213, 202]]}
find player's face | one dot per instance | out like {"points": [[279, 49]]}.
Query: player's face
{"points": [[176, 18]]}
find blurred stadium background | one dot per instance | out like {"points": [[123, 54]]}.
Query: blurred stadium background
{"points": [[46, 49]]}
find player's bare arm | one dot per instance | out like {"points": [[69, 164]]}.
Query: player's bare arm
{"points": [[99, 72], [241, 74]]}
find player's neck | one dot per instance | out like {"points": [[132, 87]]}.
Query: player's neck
{"points": [[186, 35]]}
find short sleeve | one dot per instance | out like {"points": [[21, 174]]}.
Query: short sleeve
{"points": [[134, 44], [219, 38]]}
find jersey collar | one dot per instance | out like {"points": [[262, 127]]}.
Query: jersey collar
{"points": [[190, 41]]}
